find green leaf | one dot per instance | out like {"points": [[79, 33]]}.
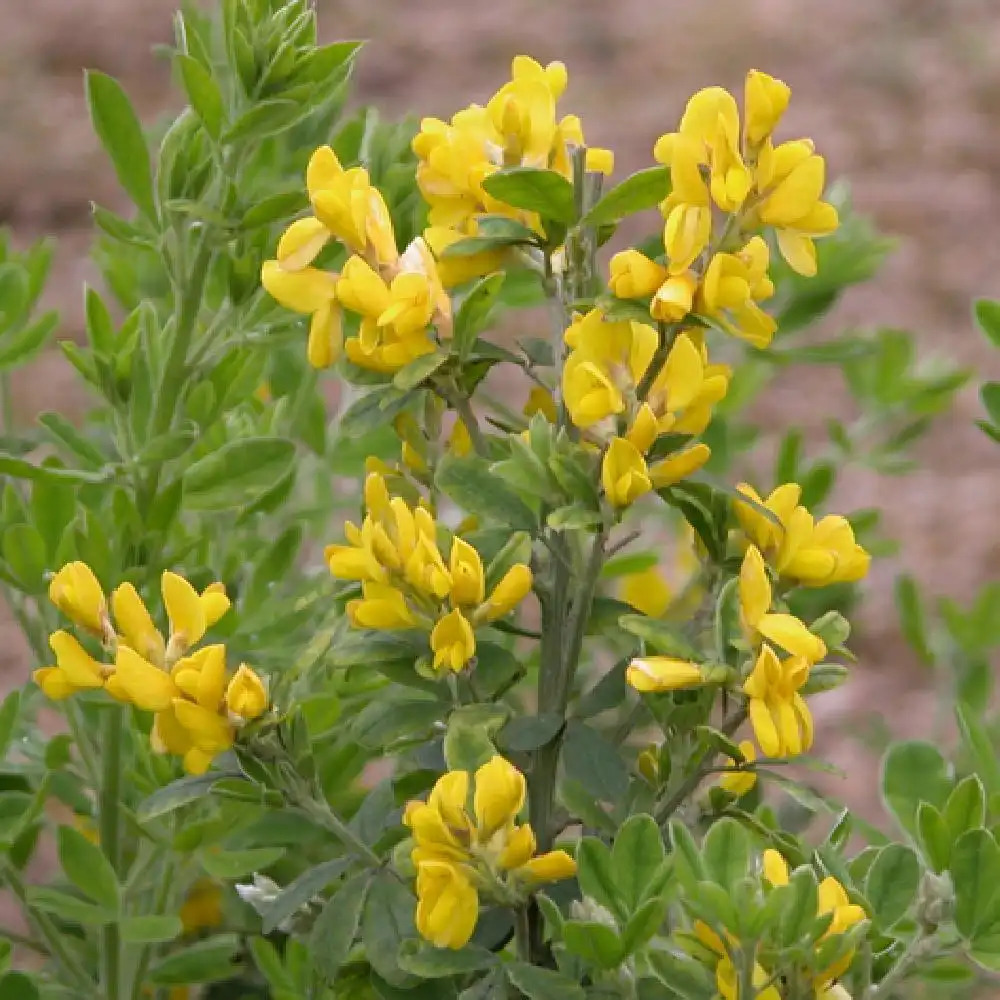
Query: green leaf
{"points": [[178, 793], [800, 903], [978, 744], [644, 189], [686, 978], [24, 551], [542, 984], [726, 852], [892, 884], [594, 762], [387, 922], [661, 637], [636, 856], [966, 806], [207, 961], [18, 347], [19, 986], [913, 772], [272, 208], [384, 723], [542, 191], [975, 871], [987, 312], [466, 747], [10, 465], [264, 119], [911, 617], [234, 864], [529, 732], [474, 313], [53, 505], [597, 876], [934, 835], [474, 487], [9, 708], [595, 943], [303, 890], [372, 410], [87, 868], [69, 907], [238, 473], [337, 926], [151, 929], [989, 393], [438, 963], [419, 370], [118, 128], [203, 93], [65, 434], [644, 923]]}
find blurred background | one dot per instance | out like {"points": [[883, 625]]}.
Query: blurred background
{"points": [[902, 97]]}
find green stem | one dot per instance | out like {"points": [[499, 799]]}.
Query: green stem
{"points": [[914, 953], [109, 827], [698, 773], [159, 907], [522, 933], [463, 408], [321, 813], [668, 334], [45, 930]]}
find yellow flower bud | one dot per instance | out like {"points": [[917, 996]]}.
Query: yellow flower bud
{"points": [[764, 102], [467, 578], [447, 905], [513, 587], [452, 642], [246, 695], [634, 275], [775, 867], [674, 298], [499, 796], [519, 845], [677, 467], [202, 675], [624, 473], [601, 161], [551, 867], [76, 592], [653, 674], [381, 606]]}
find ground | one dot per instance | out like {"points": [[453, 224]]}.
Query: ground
{"points": [[901, 95]]}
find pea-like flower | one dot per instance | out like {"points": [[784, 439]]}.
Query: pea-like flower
{"points": [[461, 854]]}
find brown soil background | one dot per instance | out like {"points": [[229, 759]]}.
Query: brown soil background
{"points": [[903, 97]]}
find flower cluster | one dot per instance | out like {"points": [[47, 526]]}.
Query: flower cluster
{"points": [[783, 649], [607, 366], [517, 127], [396, 298], [406, 583], [727, 185], [461, 854], [198, 710]]}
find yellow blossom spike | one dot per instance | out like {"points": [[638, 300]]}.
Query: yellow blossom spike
{"points": [[80, 669], [447, 905], [185, 610], [76, 592], [135, 623], [452, 642], [147, 687], [498, 797], [624, 473], [246, 694], [653, 674]]}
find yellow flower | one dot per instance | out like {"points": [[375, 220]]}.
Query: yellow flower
{"points": [[654, 674], [601, 161], [452, 642], [362, 289], [189, 612], [460, 442], [607, 360], [540, 401], [732, 287], [674, 298], [468, 584], [447, 905], [381, 606], [780, 717], [75, 669], [677, 467], [456, 270], [76, 592], [456, 851], [135, 624], [513, 587], [313, 293], [775, 867], [765, 100], [760, 529], [202, 906], [624, 473], [647, 591], [634, 275], [246, 695], [782, 629], [738, 781]]}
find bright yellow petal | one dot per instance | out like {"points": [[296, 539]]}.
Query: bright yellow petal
{"points": [[185, 610], [499, 796], [147, 687], [301, 242]]}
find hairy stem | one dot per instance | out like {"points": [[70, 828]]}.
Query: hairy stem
{"points": [[109, 828]]}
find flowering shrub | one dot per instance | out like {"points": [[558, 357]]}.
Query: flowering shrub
{"points": [[522, 732]]}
